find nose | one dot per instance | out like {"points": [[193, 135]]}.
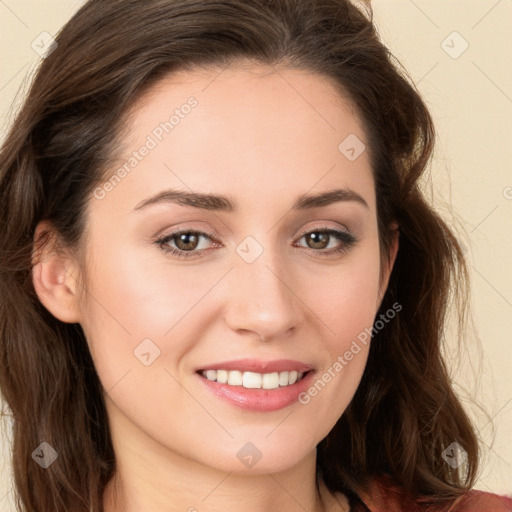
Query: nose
{"points": [[263, 299]]}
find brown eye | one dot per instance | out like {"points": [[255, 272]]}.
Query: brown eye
{"points": [[186, 241], [319, 239]]}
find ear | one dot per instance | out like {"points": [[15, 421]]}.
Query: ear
{"points": [[386, 272], [55, 274]]}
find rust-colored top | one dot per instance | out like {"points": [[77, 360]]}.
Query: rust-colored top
{"points": [[385, 496]]}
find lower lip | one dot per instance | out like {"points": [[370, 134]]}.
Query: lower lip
{"points": [[263, 400]]}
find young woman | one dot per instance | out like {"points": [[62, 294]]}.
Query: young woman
{"points": [[222, 288]]}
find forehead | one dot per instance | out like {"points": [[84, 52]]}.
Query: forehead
{"points": [[250, 129], [244, 91]]}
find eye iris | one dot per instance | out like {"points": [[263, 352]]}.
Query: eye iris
{"points": [[185, 238], [320, 240]]}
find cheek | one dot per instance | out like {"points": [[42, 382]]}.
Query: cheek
{"points": [[131, 306], [350, 312], [347, 302], [137, 323], [136, 287], [347, 298]]}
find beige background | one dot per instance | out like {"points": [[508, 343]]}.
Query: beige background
{"points": [[470, 96]]}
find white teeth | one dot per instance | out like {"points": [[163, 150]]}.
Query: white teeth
{"points": [[253, 380], [284, 378], [211, 374], [270, 380], [235, 378], [222, 376]]}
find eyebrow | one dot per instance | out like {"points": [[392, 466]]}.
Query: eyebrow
{"points": [[223, 203]]}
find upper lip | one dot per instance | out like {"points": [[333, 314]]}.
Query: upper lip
{"points": [[258, 366]]}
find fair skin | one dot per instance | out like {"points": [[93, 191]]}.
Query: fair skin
{"points": [[263, 139]]}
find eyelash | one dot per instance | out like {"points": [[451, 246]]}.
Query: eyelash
{"points": [[347, 239]]}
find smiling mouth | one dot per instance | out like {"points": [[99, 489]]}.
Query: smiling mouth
{"points": [[254, 380]]}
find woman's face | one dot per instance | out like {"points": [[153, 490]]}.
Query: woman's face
{"points": [[265, 289]]}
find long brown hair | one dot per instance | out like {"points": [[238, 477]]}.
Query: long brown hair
{"points": [[404, 413]]}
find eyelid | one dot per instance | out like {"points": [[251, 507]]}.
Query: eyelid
{"points": [[324, 227], [210, 234], [213, 235]]}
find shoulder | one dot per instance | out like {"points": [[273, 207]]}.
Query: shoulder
{"points": [[385, 496], [479, 501]]}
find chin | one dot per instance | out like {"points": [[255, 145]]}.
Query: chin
{"points": [[261, 455]]}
